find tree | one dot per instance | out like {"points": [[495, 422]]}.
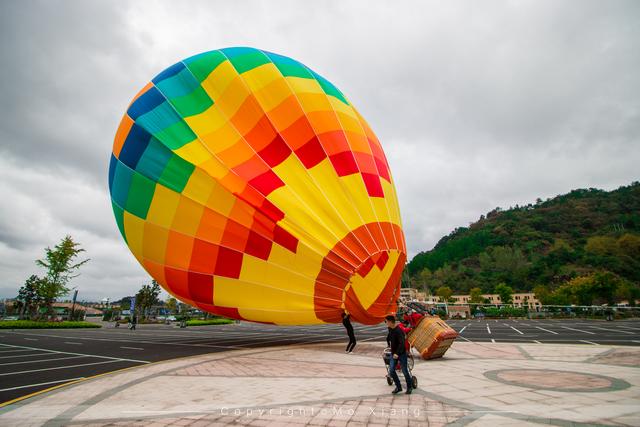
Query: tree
{"points": [[29, 297], [147, 296], [444, 292], [505, 292], [172, 304], [60, 266], [425, 278], [543, 294], [476, 296]]}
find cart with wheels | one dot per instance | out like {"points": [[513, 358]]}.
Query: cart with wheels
{"points": [[386, 356]]}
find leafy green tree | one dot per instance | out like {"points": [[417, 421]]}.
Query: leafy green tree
{"points": [[146, 297], [61, 268], [601, 245], [505, 292], [425, 277], [444, 292], [476, 296], [543, 294], [171, 304], [29, 297], [629, 245]]}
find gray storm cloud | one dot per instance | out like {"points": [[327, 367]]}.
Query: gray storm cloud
{"points": [[477, 105]]}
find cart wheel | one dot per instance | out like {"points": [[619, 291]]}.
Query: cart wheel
{"points": [[414, 380], [389, 380]]}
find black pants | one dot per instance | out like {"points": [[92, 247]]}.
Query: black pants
{"points": [[352, 341]]}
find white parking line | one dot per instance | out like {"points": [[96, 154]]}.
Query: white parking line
{"points": [[80, 354], [578, 330], [12, 351], [516, 330], [59, 367], [41, 360], [488, 330], [133, 348], [39, 384], [613, 330], [23, 355], [589, 342], [462, 330], [493, 341], [74, 343], [547, 330], [31, 339], [537, 342]]}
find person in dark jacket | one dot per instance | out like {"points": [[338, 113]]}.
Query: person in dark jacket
{"points": [[346, 321], [396, 342]]}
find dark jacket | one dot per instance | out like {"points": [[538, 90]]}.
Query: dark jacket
{"points": [[396, 340], [346, 321]]}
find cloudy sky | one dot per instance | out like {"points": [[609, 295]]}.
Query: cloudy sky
{"points": [[477, 104]]}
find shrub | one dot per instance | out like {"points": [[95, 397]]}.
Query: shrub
{"points": [[219, 321], [32, 324]]}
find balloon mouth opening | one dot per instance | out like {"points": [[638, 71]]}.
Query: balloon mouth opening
{"points": [[367, 295]]}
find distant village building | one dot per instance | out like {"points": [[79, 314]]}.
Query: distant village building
{"points": [[526, 299], [518, 299]]}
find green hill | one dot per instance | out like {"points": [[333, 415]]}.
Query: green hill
{"points": [[553, 243]]}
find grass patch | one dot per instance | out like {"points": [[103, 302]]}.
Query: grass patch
{"points": [[209, 322], [33, 324]]}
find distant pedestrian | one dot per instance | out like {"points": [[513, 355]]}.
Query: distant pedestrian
{"points": [[609, 313], [132, 322], [346, 321], [396, 340]]}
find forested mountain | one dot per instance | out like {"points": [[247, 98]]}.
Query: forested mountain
{"points": [[583, 236]]}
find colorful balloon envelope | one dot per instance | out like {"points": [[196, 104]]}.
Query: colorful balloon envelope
{"points": [[249, 186]]}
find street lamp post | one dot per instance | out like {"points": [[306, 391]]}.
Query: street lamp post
{"points": [[73, 303]]}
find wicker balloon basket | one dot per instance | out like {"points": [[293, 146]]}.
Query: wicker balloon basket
{"points": [[432, 337]]}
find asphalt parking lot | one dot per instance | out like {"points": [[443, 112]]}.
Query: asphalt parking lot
{"points": [[34, 360]]}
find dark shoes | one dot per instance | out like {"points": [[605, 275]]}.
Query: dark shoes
{"points": [[409, 390], [396, 390]]}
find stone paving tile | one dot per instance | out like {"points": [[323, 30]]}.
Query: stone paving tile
{"points": [[272, 367], [620, 357], [387, 410]]}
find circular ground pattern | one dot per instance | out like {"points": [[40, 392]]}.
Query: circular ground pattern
{"points": [[547, 379]]}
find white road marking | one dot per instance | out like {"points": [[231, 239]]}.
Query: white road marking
{"points": [[133, 348], [12, 351], [39, 384], [537, 342], [589, 342], [23, 355], [613, 330], [59, 367], [578, 330], [74, 343], [42, 360], [31, 339], [493, 341], [138, 341], [547, 330], [462, 330], [80, 354], [488, 330], [516, 330]]}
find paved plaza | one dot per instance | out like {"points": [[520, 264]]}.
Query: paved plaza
{"points": [[476, 384]]}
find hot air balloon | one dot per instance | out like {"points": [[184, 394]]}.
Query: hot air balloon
{"points": [[249, 186]]}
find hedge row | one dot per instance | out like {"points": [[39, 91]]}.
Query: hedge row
{"points": [[209, 322], [33, 324]]}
